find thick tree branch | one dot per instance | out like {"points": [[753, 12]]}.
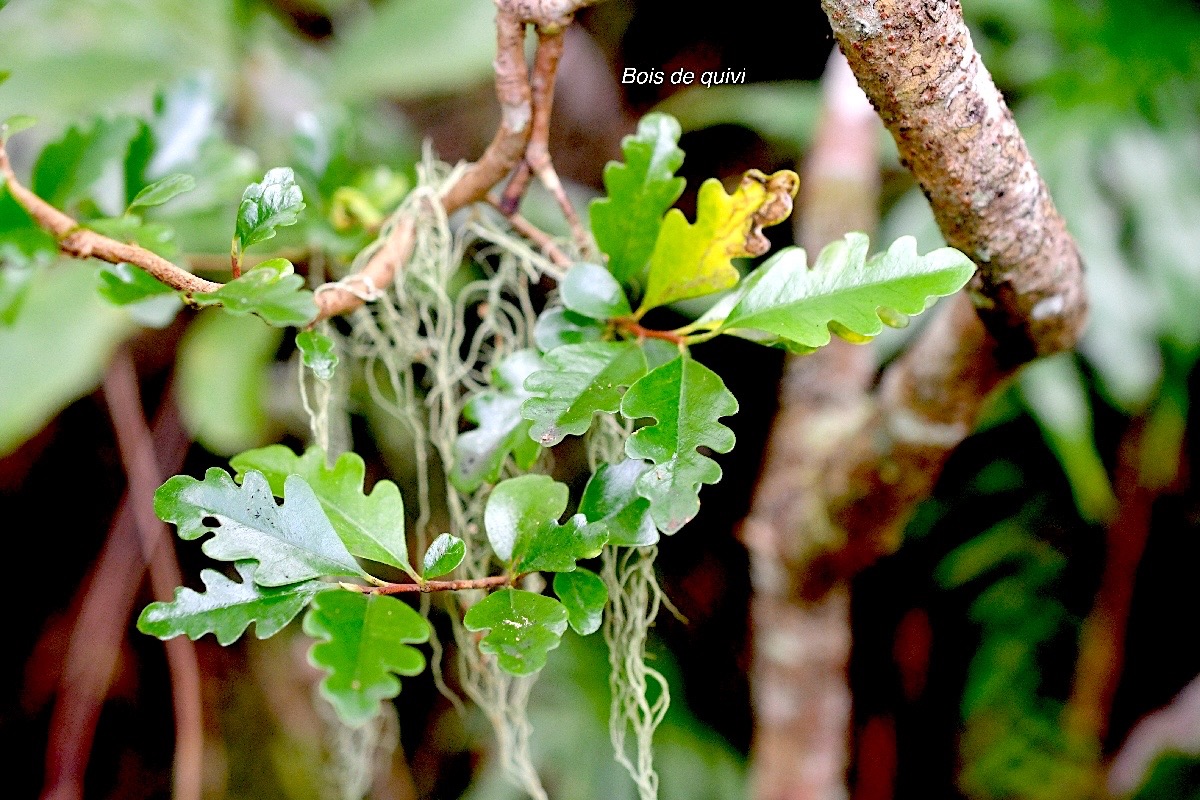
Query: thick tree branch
{"points": [[915, 60]]}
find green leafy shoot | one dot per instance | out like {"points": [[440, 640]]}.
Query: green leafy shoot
{"points": [[479, 454], [163, 191], [845, 291], [292, 543], [227, 607], [523, 628], [274, 203], [365, 638], [444, 555], [318, 353], [271, 290], [584, 595], [370, 525], [686, 400], [626, 223]]}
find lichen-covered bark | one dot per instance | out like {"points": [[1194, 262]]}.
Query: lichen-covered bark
{"points": [[916, 62]]}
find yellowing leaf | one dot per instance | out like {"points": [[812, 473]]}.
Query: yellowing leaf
{"points": [[694, 259]]}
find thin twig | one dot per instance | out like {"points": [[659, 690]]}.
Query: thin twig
{"points": [[435, 586], [138, 457], [532, 232]]}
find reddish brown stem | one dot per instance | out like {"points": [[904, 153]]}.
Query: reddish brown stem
{"points": [[532, 232], [632, 326]]}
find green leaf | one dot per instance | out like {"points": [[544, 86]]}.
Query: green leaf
{"points": [[366, 638], [523, 628], [274, 203], [591, 291], [132, 229], [517, 508], [370, 525], [292, 542], [318, 352], [14, 125], [224, 380], [611, 503], [162, 191], [79, 166], [686, 399], [227, 608], [271, 290], [627, 222], [15, 280], [479, 454], [578, 381], [558, 326], [691, 260], [556, 548], [122, 284], [846, 289], [444, 555], [584, 595]]}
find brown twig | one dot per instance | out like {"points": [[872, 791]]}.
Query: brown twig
{"points": [[532, 232], [439, 586], [105, 604], [136, 445], [632, 326]]}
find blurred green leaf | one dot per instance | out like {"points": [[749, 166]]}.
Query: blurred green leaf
{"points": [[479, 454], [558, 326], [523, 628], [223, 368], [363, 639], [76, 168], [163, 191], [784, 113], [14, 125], [318, 352], [226, 608], [413, 48], [65, 324]]}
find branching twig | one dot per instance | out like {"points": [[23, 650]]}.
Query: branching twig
{"points": [[531, 232]]}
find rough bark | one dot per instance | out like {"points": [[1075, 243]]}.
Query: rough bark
{"points": [[916, 62]]}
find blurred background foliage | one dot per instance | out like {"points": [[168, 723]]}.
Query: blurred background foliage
{"points": [[1001, 567]]}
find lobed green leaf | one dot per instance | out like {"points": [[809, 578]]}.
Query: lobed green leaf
{"points": [[584, 595], [370, 525], [523, 628], [274, 203], [226, 607], [318, 353], [291, 543], [163, 191], [558, 326], [845, 290], [591, 291], [517, 508], [626, 224], [271, 290], [612, 504], [686, 400], [365, 639]]}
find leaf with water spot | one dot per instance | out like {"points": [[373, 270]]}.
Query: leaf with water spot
{"points": [[522, 627]]}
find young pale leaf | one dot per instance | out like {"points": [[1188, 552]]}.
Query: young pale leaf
{"points": [[845, 290], [591, 291], [479, 454], [518, 507], [271, 290], [686, 400], [556, 548], [584, 595], [227, 608], [274, 203], [162, 191], [292, 543], [611, 503], [445, 553], [523, 628], [318, 352], [370, 525], [122, 284], [558, 326], [627, 222], [578, 381], [366, 638], [691, 260]]}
